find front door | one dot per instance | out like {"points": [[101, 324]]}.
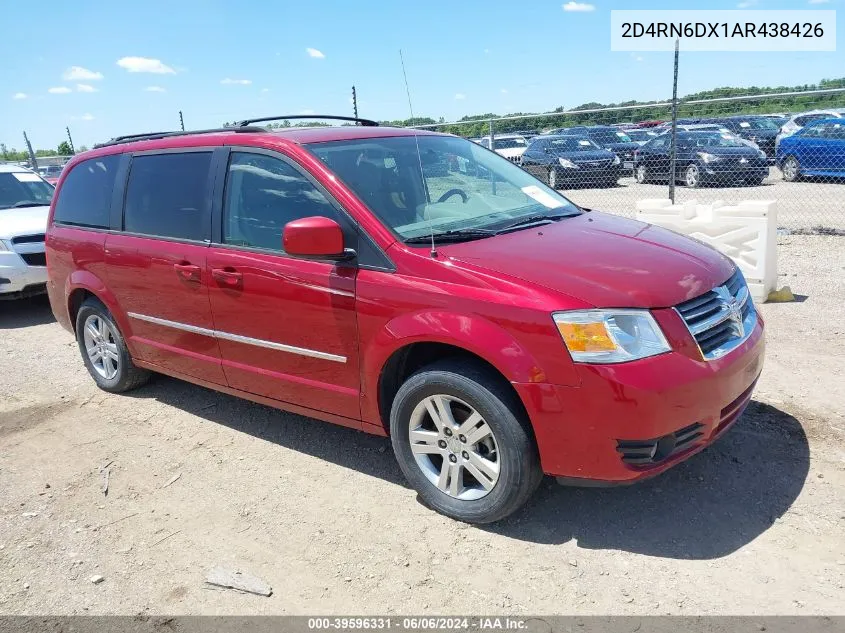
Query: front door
{"points": [[286, 326], [157, 266]]}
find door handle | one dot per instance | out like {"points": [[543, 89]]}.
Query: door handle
{"points": [[227, 276], [187, 272]]}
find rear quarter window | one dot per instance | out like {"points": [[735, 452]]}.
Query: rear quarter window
{"points": [[85, 197], [168, 196]]}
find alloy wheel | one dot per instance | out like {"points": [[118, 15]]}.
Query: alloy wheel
{"points": [[642, 174], [101, 346], [790, 169], [553, 178], [454, 447], [692, 176]]}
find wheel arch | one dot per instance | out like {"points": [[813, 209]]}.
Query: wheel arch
{"points": [[83, 284]]}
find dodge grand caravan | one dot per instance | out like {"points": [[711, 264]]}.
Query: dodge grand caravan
{"points": [[407, 284]]}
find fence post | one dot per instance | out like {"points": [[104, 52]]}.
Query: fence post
{"points": [[673, 146], [492, 177], [32, 159]]}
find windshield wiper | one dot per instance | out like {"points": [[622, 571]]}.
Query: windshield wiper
{"points": [[21, 205], [532, 220], [457, 235]]}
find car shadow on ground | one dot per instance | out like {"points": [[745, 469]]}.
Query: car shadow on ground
{"points": [[25, 312], [705, 508]]}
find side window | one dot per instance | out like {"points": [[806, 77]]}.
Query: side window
{"points": [[660, 143], [263, 194], [813, 131], [85, 198], [167, 195], [835, 131]]}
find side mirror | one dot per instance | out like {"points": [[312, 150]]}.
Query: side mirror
{"points": [[315, 236]]}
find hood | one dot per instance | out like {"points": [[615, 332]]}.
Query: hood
{"points": [[26, 221], [604, 260], [585, 156], [750, 133]]}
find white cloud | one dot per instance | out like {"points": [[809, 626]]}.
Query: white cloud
{"points": [[78, 73], [87, 117], [154, 89], [307, 111], [460, 96], [579, 7], [747, 4], [486, 51], [59, 90], [263, 90], [85, 88], [819, 1], [313, 52], [19, 95], [145, 65], [235, 82], [504, 91]]}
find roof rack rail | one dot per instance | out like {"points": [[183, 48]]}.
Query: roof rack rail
{"points": [[365, 122], [150, 136]]}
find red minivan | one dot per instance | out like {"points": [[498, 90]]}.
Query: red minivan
{"points": [[409, 284]]}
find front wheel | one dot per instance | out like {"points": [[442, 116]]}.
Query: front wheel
{"points": [[104, 351], [461, 439], [553, 178], [641, 174], [791, 169], [692, 177]]}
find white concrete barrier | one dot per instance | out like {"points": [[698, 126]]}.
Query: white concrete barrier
{"points": [[745, 232]]}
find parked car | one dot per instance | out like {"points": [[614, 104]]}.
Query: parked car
{"points": [[798, 121], [760, 130], [702, 157], [609, 138], [24, 203], [493, 329], [641, 136], [571, 160], [511, 146], [51, 173], [817, 149]]}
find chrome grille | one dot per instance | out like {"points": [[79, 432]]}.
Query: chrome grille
{"points": [[720, 319]]}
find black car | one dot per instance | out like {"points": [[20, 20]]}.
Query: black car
{"points": [[702, 157], [614, 139], [572, 160], [760, 130]]}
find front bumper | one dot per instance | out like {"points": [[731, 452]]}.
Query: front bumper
{"points": [[714, 173], [18, 279], [589, 176], [584, 432]]}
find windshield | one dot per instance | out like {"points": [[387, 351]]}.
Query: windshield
{"points": [[641, 135], [508, 143], [23, 188], [758, 124], [713, 140], [461, 186], [572, 144], [602, 136]]}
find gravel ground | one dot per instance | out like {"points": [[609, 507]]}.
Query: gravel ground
{"points": [[753, 525], [801, 205]]}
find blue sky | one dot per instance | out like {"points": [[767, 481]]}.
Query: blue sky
{"points": [[110, 68]]}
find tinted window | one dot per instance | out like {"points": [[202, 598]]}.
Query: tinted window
{"points": [[834, 131], [167, 195], [659, 143], [85, 198], [262, 195]]}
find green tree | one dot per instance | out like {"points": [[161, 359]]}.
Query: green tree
{"points": [[64, 149]]}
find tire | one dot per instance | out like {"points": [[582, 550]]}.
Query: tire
{"points": [[641, 174], [791, 169], [553, 183], [465, 388], [692, 176], [110, 365]]}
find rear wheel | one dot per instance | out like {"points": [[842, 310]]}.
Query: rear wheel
{"points": [[553, 178], [104, 351], [692, 176], [641, 174], [791, 169], [462, 441]]}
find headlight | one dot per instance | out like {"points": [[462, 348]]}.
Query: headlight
{"points": [[616, 160], [610, 336], [708, 158], [761, 154], [567, 163]]}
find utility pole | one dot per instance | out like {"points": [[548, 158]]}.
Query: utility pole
{"points": [[673, 148], [32, 160], [181, 121], [354, 103], [70, 141]]}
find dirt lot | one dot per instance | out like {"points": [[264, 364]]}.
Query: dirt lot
{"points": [[753, 525]]}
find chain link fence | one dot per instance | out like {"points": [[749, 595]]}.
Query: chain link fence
{"points": [[786, 146]]}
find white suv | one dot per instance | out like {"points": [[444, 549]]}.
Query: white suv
{"points": [[24, 203], [511, 146], [798, 121]]}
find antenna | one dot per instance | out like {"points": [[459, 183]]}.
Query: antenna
{"points": [[419, 156]]}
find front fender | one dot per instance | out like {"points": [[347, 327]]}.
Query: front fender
{"points": [[473, 333]]}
